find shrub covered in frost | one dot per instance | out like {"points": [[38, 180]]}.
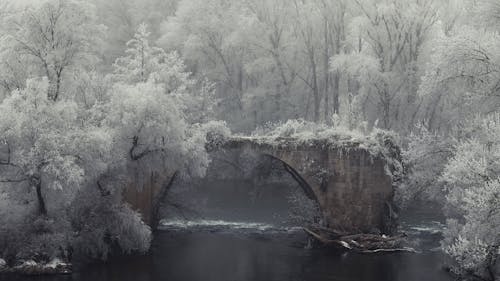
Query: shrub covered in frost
{"points": [[216, 133], [379, 143], [472, 184], [31, 237], [105, 226], [425, 157]]}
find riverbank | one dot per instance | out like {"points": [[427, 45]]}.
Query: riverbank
{"points": [[30, 267]]}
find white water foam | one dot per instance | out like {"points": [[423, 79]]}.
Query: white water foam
{"points": [[187, 224], [432, 227]]}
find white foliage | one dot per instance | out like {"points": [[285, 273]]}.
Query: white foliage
{"points": [[425, 158], [473, 186], [57, 37], [47, 140]]}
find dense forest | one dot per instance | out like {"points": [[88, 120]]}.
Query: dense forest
{"points": [[91, 90]]}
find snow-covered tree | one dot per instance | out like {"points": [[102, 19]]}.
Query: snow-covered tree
{"points": [[148, 121], [425, 157], [72, 153], [57, 37], [123, 17], [462, 79], [389, 36], [473, 187], [141, 59], [46, 147], [268, 30], [205, 33], [13, 72], [149, 64], [100, 216]]}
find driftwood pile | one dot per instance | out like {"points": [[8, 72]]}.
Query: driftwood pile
{"points": [[31, 267], [362, 243]]}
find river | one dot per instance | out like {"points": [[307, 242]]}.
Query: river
{"points": [[221, 251], [233, 238]]}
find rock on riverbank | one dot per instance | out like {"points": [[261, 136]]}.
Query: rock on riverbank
{"points": [[30, 267]]}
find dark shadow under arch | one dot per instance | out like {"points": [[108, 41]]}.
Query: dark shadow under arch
{"points": [[288, 168], [154, 217], [297, 177]]}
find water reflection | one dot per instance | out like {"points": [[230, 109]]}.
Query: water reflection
{"points": [[216, 256], [224, 257]]}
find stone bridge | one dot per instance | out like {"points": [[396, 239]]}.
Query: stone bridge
{"points": [[352, 182]]}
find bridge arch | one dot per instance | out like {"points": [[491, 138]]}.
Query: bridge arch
{"points": [[308, 191]]}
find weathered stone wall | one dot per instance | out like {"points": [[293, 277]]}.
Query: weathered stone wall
{"points": [[352, 188]]}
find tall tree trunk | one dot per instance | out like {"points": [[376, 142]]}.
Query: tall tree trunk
{"points": [[278, 102], [58, 86], [432, 119], [354, 86], [315, 87], [282, 87], [326, 71], [161, 197], [240, 87], [255, 122], [386, 110], [316, 99], [42, 209], [336, 93]]}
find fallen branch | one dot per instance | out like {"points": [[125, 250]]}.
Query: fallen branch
{"points": [[361, 243], [325, 240], [403, 249]]}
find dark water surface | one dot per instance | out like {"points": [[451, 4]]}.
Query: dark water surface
{"points": [[210, 247], [225, 254]]}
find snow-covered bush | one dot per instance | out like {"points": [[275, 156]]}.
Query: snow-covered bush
{"points": [[303, 131], [46, 246], [474, 241], [425, 158], [104, 226], [378, 142], [25, 235], [12, 221], [471, 255], [472, 183], [215, 133]]}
